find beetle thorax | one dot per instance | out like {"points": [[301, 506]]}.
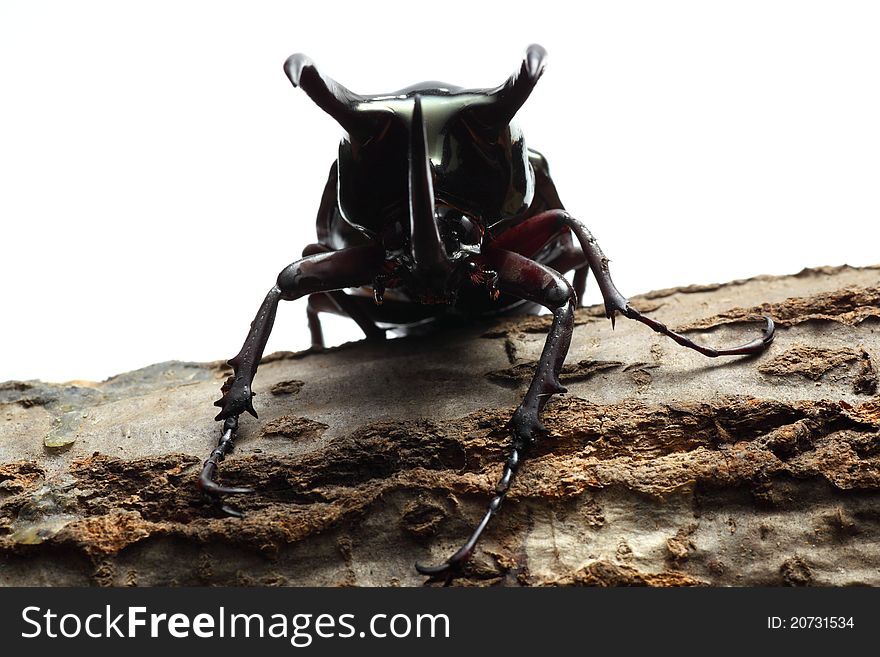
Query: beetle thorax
{"points": [[484, 172], [428, 168]]}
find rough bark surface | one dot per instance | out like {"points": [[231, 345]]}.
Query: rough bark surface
{"points": [[663, 468]]}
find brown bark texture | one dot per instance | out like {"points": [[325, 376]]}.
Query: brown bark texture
{"points": [[663, 468]]}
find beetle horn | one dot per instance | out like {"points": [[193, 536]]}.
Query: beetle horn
{"points": [[328, 94], [427, 248], [510, 96]]}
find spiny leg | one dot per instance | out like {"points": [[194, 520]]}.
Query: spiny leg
{"points": [[615, 302], [319, 272], [526, 279], [541, 227]]}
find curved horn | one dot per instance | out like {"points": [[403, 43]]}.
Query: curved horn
{"points": [[510, 96], [427, 248], [328, 94]]}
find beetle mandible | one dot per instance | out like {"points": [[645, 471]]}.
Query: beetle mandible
{"points": [[437, 206]]}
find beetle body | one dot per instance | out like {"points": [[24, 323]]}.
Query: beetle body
{"points": [[435, 205]]}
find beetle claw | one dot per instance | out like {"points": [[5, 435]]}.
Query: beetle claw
{"points": [[212, 488], [445, 572], [231, 511], [206, 481], [434, 571], [454, 564]]}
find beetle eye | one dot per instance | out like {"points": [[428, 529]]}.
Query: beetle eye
{"points": [[459, 232], [467, 231], [393, 237]]}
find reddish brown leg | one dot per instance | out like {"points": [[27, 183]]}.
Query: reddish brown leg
{"points": [[615, 302], [534, 233], [538, 230], [339, 303], [526, 279], [570, 258]]}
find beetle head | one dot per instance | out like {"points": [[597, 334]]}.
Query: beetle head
{"points": [[428, 168]]}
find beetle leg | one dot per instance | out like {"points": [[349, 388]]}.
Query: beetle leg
{"points": [[540, 228], [315, 331], [580, 283], [206, 477], [615, 302], [339, 303], [573, 258], [320, 272], [527, 238], [392, 311], [527, 279]]}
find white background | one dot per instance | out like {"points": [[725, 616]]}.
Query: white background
{"points": [[157, 169]]}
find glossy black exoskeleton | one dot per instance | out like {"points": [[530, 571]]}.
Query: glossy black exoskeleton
{"points": [[436, 205]]}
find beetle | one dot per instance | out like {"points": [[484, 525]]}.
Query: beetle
{"points": [[435, 206]]}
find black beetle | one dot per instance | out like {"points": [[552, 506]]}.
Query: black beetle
{"points": [[436, 205]]}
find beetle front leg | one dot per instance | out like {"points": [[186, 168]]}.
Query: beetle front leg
{"points": [[337, 302], [320, 272], [237, 396], [527, 279]]}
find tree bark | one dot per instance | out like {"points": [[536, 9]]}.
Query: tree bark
{"points": [[662, 467]]}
